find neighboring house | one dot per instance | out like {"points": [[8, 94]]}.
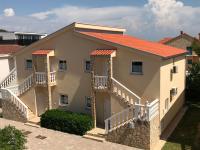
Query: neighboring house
{"points": [[6, 59], [184, 41], [19, 38], [133, 88]]}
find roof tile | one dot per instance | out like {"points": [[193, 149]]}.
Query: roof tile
{"points": [[139, 44]]}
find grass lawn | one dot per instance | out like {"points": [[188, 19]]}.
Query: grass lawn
{"points": [[186, 136]]}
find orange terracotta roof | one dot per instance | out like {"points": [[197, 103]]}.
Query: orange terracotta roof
{"points": [[9, 49], [165, 40], [41, 52], [139, 44], [102, 52]]}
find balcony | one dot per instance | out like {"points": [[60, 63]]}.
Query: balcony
{"points": [[41, 78], [100, 82]]}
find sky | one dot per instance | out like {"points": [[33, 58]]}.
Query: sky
{"points": [[148, 19]]}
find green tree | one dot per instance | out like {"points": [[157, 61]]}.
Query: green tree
{"points": [[196, 47], [193, 83]]}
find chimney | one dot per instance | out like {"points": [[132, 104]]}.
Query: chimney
{"points": [[181, 32]]}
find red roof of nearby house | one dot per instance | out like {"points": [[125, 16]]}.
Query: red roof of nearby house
{"points": [[41, 52], [165, 40], [139, 44], [9, 49], [102, 52]]}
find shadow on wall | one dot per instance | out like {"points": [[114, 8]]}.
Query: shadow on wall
{"points": [[168, 121]]}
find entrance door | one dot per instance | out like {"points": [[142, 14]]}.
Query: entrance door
{"points": [[107, 109]]}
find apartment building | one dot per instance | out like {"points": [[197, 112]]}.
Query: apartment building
{"points": [[184, 41], [19, 38], [131, 87]]}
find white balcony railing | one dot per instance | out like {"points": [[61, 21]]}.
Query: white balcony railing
{"points": [[100, 82], [40, 78], [53, 77]]}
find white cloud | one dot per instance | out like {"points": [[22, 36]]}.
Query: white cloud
{"points": [[157, 18], [9, 12]]}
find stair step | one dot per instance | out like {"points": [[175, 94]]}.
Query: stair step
{"points": [[98, 139], [96, 135], [32, 125]]}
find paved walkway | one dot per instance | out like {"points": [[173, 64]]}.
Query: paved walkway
{"points": [[59, 141]]}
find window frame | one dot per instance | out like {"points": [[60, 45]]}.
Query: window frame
{"points": [[59, 62], [137, 73], [85, 66], [62, 104], [86, 102], [26, 64], [189, 50]]}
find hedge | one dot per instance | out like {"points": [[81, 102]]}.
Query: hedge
{"points": [[66, 121], [12, 139]]}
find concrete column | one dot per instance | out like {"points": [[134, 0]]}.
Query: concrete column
{"points": [[93, 95], [48, 81]]}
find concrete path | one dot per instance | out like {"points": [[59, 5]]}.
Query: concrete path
{"points": [[54, 140]]}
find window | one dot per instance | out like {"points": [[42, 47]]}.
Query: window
{"points": [[189, 61], [137, 67], [1, 38], [173, 92], [189, 49], [63, 100], [167, 104], [62, 65], [88, 102], [29, 64], [87, 65]]}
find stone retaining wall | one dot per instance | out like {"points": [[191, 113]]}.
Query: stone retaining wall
{"points": [[10, 111], [140, 134]]}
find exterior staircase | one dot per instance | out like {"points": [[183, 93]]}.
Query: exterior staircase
{"points": [[12, 93], [123, 93], [8, 79], [134, 111], [96, 134]]}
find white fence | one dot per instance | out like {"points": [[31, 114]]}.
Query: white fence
{"points": [[8, 79], [9, 95], [137, 112], [100, 82]]}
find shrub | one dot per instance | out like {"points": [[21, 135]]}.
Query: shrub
{"points": [[66, 121], [11, 139]]}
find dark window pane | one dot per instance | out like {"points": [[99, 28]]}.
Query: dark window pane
{"points": [[189, 49], [137, 67], [87, 65]]}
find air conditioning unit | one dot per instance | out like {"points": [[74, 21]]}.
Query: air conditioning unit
{"points": [[174, 91], [175, 69]]}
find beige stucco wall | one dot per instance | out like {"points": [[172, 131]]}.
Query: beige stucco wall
{"points": [[29, 98], [4, 71], [146, 85], [166, 84], [182, 43]]}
